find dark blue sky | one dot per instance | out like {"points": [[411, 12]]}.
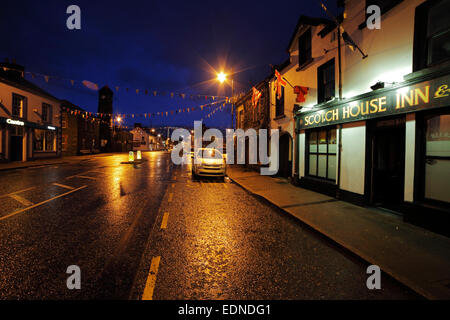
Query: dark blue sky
{"points": [[172, 46]]}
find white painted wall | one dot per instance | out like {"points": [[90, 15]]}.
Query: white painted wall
{"points": [[389, 49], [33, 102], [353, 154]]}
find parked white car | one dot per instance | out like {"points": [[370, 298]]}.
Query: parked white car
{"points": [[211, 163]]}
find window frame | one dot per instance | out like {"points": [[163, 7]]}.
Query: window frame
{"points": [[49, 113], [421, 137], [320, 82], [328, 130], [44, 141], [24, 107], [421, 39], [305, 51], [279, 104]]}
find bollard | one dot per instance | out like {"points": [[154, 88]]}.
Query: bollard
{"points": [[138, 155], [131, 156]]}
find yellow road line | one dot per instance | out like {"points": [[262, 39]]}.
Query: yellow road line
{"points": [[40, 203], [170, 197], [15, 192], [63, 186], [164, 220], [23, 201], [151, 279]]}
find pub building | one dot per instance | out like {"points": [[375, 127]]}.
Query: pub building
{"points": [[29, 118], [385, 142]]}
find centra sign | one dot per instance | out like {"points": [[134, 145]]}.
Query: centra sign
{"points": [[425, 95], [15, 122]]}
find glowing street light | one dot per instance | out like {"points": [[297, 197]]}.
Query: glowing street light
{"points": [[221, 77], [118, 119]]}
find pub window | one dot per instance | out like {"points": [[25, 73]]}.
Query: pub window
{"points": [[437, 158], [46, 112], [18, 106], [325, 82], [322, 153], [431, 34], [304, 48], [279, 103]]}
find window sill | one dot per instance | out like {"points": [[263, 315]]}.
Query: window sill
{"points": [[282, 116], [305, 64], [319, 179]]}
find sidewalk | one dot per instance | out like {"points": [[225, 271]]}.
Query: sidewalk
{"points": [[47, 162], [418, 258]]}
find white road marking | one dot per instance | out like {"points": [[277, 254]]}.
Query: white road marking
{"points": [[40, 203], [16, 192], [22, 200], [63, 186]]}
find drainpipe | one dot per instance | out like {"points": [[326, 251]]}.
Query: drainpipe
{"points": [[338, 180], [296, 148]]}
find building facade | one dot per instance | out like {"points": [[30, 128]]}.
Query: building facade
{"points": [[143, 139], [80, 130], [254, 113], [377, 130], [30, 118]]}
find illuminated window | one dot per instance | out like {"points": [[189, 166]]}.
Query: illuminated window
{"points": [[437, 158], [321, 153], [44, 140], [18, 106]]}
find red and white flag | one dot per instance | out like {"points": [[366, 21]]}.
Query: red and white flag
{"points": [[278, 83], [256, 96]]}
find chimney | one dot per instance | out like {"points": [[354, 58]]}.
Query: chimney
{"points": [[11, 70]]}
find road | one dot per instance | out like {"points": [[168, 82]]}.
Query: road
{"points": [[149, 231]]}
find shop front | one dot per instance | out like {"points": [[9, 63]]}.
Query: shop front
{"points": [[388, 148], [22, 141]]}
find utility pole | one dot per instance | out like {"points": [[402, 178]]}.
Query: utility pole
{"points": [[232, 98]]}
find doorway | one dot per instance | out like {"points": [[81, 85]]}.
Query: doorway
{"points": [[16, 144], [285, 156], [387, 163]]}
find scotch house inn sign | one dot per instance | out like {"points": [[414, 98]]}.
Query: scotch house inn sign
{"points": [[425, 95]]}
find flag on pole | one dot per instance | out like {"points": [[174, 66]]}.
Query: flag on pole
{"points": [[279, 82]]}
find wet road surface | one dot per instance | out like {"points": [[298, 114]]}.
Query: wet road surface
{"points": [[150, 231]]}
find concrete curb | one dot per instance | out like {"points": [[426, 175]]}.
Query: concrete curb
{"points": [[406, 282]]}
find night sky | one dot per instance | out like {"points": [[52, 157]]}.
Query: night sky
{"points": [[172, 46]]}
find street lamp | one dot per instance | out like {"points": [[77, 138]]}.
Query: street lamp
{"points": [[222, 77]]}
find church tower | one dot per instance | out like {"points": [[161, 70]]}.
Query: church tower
{"points": [[105, 106]]}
